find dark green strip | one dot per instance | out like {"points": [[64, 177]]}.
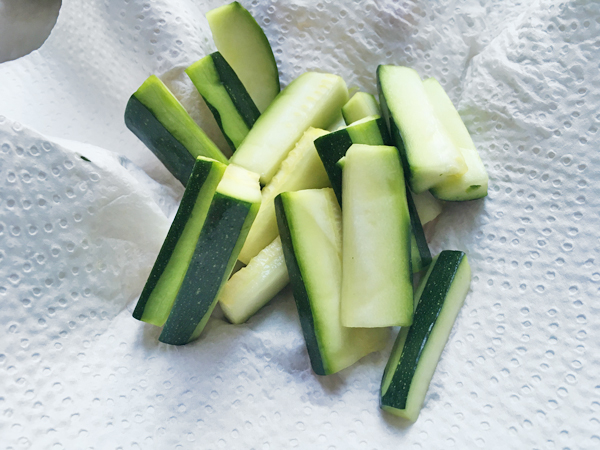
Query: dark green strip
{"points": [[331, 147], [217, 116], [394, 132], [199, 175], [299, 289], [428, 309], [419, 234], [172, 153], [236, 90], [385, 135], [206, 272]]}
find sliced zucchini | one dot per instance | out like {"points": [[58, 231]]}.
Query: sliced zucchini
{"points": [[243, 43], [157, 118], [377, 275], [333, 146], [302, 169], [250, 288], [228, 220], [225, 96], [428, 207], [417, 349], [310, 226], [473, 184], [173, 260], [361, 105], [311, 100], [428, 154]]}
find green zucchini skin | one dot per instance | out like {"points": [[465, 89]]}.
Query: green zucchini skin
{"points": [[237, 92], [162, 123], [226, 97], [202, 170], [394, 132], [333, 146], [422, 257], [209, 269], [299, 289], [172, 153], [413, 352]]}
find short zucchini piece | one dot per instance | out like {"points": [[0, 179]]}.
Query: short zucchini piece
{"points": [[361, 105], [311, 100], [333, 146], [417, 349], [428, 154], [168, 272], [428, 207], [311, 236], [251, 287], [243, 43], [473, 184], [377, 276], [225, 96], [228, 220], [302, 169], [157, 118]]}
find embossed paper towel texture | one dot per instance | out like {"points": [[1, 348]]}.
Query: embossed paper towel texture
{"points": [[519, 369]]}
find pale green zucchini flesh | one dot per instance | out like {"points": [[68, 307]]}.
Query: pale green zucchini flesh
{"points": [[428, 207], [244, 45], [311, 100], [428, 154], [301, 169], [361, 105], [251, 287], [377, 274], [473, 184]]}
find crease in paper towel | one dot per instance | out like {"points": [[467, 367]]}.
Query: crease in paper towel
{"points": [[518, 371]]}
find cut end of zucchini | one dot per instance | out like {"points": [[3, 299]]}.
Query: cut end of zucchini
{"points": [[253, 286], [472, 184], [241, 184], [244, 45], [361, 105]]}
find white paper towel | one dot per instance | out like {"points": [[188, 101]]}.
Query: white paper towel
{"points": [[519, 371]]}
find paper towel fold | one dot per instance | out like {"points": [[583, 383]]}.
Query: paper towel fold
{"points": [[518, 371]]}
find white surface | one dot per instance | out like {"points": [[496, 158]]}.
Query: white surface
{"points": [[520, 369]]}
